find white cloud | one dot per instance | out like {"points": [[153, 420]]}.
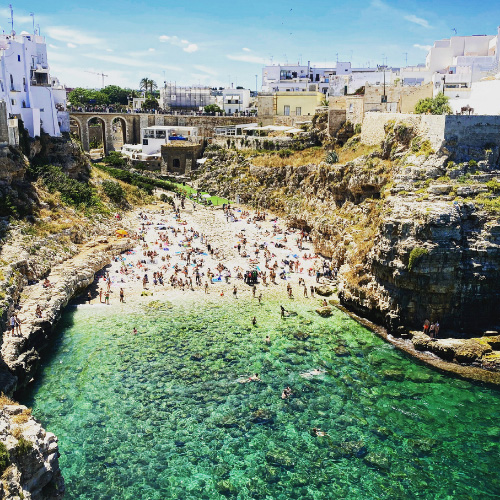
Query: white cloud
{"points": [[192, 47], [109, 50], [151, 50], [71, 45], [184, 44], [205, 69], [246, 49], [248, 59], [417, 20], [70, 35], [128, 61], [53, 46], [422, 47]]}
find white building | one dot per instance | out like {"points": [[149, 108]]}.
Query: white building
{"points": [[235, 100], [27, 88], [153, 138], [457, 62], [331, 81]]}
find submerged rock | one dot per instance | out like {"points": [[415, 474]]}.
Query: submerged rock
{"points": [[325, 290], [262, 416], [301, 335], [280, 457], [325, 312]]}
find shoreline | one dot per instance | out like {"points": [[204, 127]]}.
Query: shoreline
{"points": [[21, 353]]}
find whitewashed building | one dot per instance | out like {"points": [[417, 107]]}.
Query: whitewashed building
{"points": [[179, 98], [337, 80], [235, 100], [27, 87], [153, 138]]}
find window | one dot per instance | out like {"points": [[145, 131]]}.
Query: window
{"points": [[18, 58], [176, 163], [161, 134], [286, 111], [351, 108], [145, 142], [11, 83], [298, 111], [13, 101]]}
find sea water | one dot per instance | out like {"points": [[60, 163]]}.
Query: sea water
{"points": [[163, 414]]}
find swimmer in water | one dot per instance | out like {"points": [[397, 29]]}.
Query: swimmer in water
{"points": [[254, 321], [134, 331], [317, 432], [268, 340]]}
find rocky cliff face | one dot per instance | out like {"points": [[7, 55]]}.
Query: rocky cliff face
{"points": [[29, 457], [414, 235]]}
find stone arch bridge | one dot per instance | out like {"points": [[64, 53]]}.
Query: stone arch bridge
{"points": [[130, 126], [132, 123]]}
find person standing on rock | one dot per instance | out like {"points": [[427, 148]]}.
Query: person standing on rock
{"points": [[18, 324], [12, 324], [436, 329], [426, 326]]}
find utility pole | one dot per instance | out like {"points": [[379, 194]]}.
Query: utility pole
{"points": [[406, 58], [256, 83]]}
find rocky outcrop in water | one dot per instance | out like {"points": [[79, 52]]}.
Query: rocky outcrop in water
{"points": [[29, 457]]}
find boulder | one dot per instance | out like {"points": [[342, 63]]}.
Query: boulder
{"points": [[324, 290], [325, 312], [421, 341], [471, 351]]}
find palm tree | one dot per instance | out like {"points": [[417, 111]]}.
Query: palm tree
{"points": [[147, 84]]}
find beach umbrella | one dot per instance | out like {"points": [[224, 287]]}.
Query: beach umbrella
{"points": [[121, 232], [206, 195]]}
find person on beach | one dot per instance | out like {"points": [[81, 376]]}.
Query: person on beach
{"points": [[312, 292], [426, 326], [254, 321], [38, 312], [235, 292], [89, 297], [122, 295], [100, 295], [206, 286], [259, 298], [106, 298], [317, 432], [12, 324], [134, 331]]}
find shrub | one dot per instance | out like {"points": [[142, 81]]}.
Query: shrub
{"points": [[434, 106], [23, 446], [493, 185], [357, 128], [472, 163], [4, 457], [166, 199], [332, 157], [285, 153], [113, 191], [72, 192], [115, 158], [415, 255]]}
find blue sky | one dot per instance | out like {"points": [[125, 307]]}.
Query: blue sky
{"points": [[220, 42]]}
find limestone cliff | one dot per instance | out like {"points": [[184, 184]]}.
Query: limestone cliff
{"points": [[29, 457], [414, 235]]}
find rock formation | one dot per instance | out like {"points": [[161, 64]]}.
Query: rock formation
{"points": [[414, 235]]}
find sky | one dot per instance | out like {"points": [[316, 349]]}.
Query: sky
{"points": [[223, 43]]}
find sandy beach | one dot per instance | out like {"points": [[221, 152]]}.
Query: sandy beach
{"points": [[264, 244]]}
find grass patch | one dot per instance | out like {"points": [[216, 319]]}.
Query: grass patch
{"points": [[415, 255]]}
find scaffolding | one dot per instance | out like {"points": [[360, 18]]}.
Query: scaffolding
{"points": [[177, 98]]}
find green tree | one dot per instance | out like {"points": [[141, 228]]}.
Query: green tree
{"points": [[438, 105], [150, 103], [212, 108], [116, 94], [81, 97]]}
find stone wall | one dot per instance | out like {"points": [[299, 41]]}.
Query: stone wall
{"points": [[336, 118], [250, 142], [463, 137], [179, 159]]}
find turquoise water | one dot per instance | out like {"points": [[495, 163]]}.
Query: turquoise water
{"points": [[161, 414]]}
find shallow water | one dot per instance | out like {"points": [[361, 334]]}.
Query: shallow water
{"points": [[161, 414]]}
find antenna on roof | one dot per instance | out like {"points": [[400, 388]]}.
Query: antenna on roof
{"points": [[11, 20], [32, 14]]}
